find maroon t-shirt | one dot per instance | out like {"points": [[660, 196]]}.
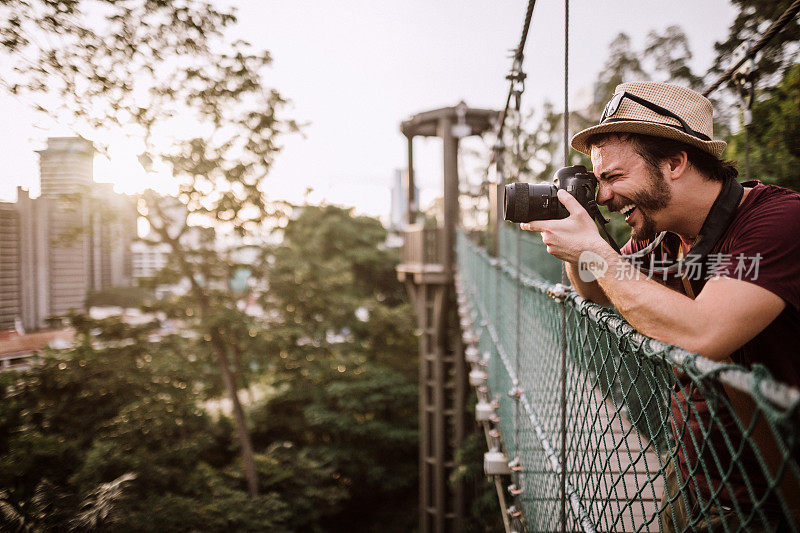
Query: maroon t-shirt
{"points": [[761, 246]]}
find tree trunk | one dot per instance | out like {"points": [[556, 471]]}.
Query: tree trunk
{"points": [[248, 461], [221, 349]]}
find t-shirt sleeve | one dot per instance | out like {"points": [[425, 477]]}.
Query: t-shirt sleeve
{"points": [[766, 251]]}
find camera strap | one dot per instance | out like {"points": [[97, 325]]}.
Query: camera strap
{"points": [[719, 217], [595, 213]]}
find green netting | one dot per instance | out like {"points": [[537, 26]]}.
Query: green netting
{"points": [[535, 262], [622, 413]]}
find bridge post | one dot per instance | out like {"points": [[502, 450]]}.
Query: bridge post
{"points": [[411, 198], [496, 199], [427, 270]]}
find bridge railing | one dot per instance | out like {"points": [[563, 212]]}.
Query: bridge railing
{"points": [[613, 431]]}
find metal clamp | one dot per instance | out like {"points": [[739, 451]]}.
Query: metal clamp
{"points": [[515, 392], [513, 512], [558, 292]]}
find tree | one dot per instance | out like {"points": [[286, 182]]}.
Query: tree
{"points": [[669, 54], [774, 138], [118, 433], [623, 64], [119, 297], [112, 435], [771, 93], [754, 17], [343, 357], [154, 68]]}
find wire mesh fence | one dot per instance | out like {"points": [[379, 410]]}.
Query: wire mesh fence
{"points": [[650, 437], [534, 262]]}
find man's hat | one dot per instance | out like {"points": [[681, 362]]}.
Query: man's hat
{"points": [[660, 110]]}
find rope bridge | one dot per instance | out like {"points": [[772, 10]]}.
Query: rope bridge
{"points": [[613, 439]]}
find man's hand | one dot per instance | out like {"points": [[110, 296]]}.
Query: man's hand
{"points": [[567, 238]]}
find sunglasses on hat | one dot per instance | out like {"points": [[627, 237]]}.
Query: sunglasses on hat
{"points": [[613, 106]]}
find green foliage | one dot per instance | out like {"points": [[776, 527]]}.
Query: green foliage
{"points": [[774, 134], [116, 433], [115, 437], [484, 514], [623, 64], [163, 74], [329, 264], [753, 19], [343, 358], [120, 297], [359, 419]]}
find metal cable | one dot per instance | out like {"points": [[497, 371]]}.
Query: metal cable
{"points": [[566, 83], [518, 292], [564, 281], [777, 26], [525, 28], [519, 55]]}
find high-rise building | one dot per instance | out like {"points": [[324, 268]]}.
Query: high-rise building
{"points": [[74, 238], [34, 261], [66, 173], [397, 213], [10, 297], [113, 228], [66, 166]]}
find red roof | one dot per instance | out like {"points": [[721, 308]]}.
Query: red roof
{"points": [[32, 342]]}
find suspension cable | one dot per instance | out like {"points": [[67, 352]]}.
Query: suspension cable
{"points": [[773, 30], [566, 83], [564, 281], [516, 65]]}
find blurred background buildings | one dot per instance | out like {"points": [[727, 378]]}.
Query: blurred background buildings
{"points": [[74, 238]]}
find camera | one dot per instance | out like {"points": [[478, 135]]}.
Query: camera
{"points": [[525, 202]]}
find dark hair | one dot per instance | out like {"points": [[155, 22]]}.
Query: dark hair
{"points": [[654, 150]]}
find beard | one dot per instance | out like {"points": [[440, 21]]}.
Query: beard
{"points": [[655, 197]]}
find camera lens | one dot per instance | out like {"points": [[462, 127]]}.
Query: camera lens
{"points": [[525, 202], [516, 202]]}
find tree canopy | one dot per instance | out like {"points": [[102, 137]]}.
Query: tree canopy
{"points": [[122, 432], [165, 75]]}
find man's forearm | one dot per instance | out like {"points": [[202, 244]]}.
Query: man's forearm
{"points": [[650, 307], [590, 290]]}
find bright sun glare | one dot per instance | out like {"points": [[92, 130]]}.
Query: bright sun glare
{"points": [[123, 169]]}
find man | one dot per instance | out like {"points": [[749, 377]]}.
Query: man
{"points": [[734, 297]]}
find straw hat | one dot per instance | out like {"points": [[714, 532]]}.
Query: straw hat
{"points": [[625, 115]]}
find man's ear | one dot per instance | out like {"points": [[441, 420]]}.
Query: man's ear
{"points": [[676, 165]]}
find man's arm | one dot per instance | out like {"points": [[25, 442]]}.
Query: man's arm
{"points": [[590, 290], [726, 314]]}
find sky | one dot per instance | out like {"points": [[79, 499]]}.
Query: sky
{"points": [[354, 69]]}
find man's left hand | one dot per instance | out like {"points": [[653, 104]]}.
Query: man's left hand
{"points": [[567, 238]]}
